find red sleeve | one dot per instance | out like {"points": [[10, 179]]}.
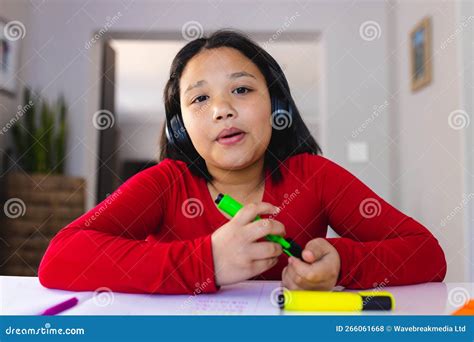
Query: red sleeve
{"points": [[378, 243], [107, 246]]}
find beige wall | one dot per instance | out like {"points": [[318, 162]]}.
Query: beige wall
{"points": [[429, 166], [351, 91], [467, 57], [8, 104], [417, 160]]}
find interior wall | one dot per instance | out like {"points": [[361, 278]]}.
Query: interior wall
{"points": [[10, 11], [365, 76], [142, 69], [350, 99], [465, 15], [425, 136]]}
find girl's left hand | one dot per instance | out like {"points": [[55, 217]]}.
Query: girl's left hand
{"points": [[319, 272]]}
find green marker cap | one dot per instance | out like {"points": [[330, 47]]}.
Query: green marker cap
{"points": [[231, 207]]}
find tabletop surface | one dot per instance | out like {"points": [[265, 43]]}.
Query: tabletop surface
{"points": [[26, 296]]}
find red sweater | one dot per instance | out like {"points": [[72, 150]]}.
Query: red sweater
{"points": [[153, 234]]}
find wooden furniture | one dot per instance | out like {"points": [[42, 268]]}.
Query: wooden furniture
{"points": [[35, 208]]}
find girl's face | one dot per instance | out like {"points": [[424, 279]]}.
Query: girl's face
{"points": [[220, 89]]}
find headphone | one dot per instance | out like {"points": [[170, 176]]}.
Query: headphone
{"points": [[178, 137]]}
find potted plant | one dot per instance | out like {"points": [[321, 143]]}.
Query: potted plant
{"points": [[39, 198]]}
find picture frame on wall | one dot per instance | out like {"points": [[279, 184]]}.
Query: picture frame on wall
{"points": [[421, 54], [9, 58]]}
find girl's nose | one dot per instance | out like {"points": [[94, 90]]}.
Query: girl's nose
{"points": [[218, 117], [223, 110]]}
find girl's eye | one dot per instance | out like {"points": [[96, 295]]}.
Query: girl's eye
{"points": [[239, 90], [200, 98], [242, 90]]}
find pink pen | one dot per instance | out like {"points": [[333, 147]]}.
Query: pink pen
{"points": [[58, 308]]}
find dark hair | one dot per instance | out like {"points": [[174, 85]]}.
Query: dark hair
{"points": [[284, 143]]}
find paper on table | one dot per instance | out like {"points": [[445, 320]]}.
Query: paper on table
{"points": [[251, 298], [26, 296], [248, 298]]}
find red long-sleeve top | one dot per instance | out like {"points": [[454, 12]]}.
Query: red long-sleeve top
{"points": [[153, 234]]}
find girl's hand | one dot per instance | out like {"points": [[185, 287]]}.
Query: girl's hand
{"points": [[237, 256], [319, 272]]}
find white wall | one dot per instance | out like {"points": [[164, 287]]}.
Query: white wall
{"points": [[138, 141], [357, 86], [10, 11], [142, 69], [431, 156], [351, 91], [406, 136], [466, 10]]}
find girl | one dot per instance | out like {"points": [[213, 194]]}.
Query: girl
{"points": [[232, 127]]}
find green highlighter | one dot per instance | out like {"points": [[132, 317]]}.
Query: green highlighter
{"points": [[231, 207]]}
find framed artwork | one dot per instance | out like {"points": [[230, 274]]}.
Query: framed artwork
{"points": [[421, 54], [9, 50]]}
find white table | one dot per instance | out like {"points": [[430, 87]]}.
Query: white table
{"points": [[26, 296]]}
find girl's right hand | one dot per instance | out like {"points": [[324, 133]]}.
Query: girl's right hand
{"points": [[236, 253]]}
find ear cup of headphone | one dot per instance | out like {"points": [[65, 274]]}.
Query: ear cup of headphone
{"points": [[178, 137], [169, 136], [282, 114]]}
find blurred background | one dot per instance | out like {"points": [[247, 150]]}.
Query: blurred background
{"points": [[385, 86]]}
